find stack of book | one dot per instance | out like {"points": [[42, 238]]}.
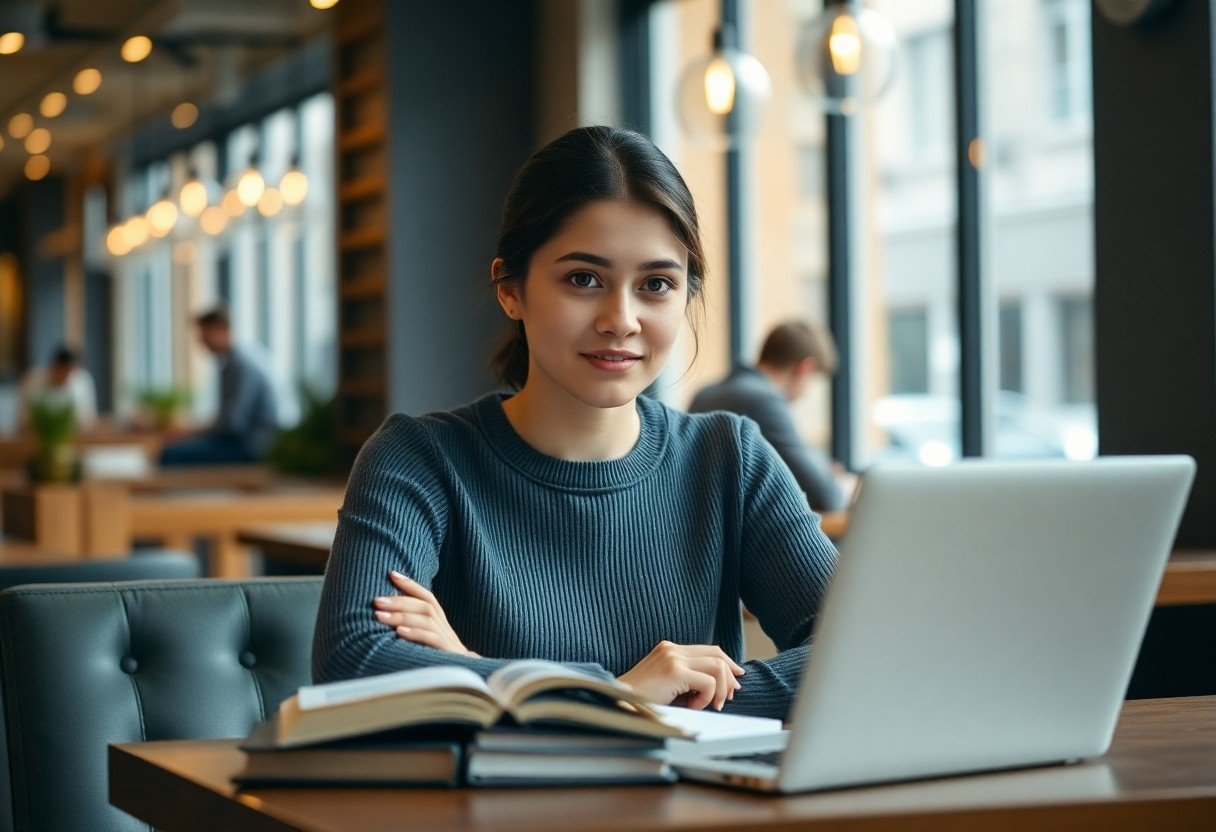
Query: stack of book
{"points": [[530, 722]]}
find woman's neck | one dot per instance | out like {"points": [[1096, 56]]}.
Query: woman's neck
{"points": [[558, 425]]}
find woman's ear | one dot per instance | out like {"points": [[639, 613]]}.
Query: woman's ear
{"points": [[507, 292]]}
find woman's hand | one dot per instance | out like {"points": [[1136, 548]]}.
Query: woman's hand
{"points": [[692, 675], [417, 616]]}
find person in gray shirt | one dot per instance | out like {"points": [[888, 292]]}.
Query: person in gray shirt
{"points": [[247, 422], [793, 353]]}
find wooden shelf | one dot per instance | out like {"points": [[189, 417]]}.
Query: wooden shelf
{"points": [[369, 237], [362, 387], [368, 185], [361, 99], [365, 135], [368, 336], [368, 286], [361, 82]]}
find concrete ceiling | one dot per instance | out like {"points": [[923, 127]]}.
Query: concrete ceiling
{"points": [[202, 50]]}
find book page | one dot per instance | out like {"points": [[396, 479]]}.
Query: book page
{"points": [[425, 678], [709, 724], [521, 679]]}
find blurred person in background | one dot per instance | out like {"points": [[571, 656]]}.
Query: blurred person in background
{"points": [[62, 381], [794, 353], [247, 422]]}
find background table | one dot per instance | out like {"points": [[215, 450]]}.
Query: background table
{"points": [[1160, 774]]}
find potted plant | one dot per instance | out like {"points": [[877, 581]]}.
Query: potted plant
{"points": [[311, 447], [165, 404], [54, 424]]}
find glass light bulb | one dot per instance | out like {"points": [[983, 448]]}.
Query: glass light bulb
{"points": [[11, 43], [232, 204], [844, 45], [193, 198], [116, 241], [37, 167], [270, 203], [722, 97], [162, 216], [847, 58], [214, 220], [293, 187], [137, 48], [719, 87], [135, 230], [249, 187], [87, 81], [53, 104]]}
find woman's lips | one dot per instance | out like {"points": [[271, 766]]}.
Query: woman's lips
{"points": [[611, 361]]}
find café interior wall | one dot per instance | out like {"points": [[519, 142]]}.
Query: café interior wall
{"points": [[462, 119]]}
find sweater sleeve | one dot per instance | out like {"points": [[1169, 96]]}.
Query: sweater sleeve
{"points": [[786, 563], [394, 516]]}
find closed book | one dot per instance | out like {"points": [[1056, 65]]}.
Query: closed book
{"points": [[561, 741], [520, 693], [518, 768], [390, 759]]}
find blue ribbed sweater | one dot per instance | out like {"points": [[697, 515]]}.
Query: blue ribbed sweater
{"points": [[589, 563]]}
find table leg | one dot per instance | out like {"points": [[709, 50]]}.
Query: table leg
{"points": [[229, 558]]}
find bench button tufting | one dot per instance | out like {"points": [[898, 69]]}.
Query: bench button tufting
{"points": [[247, 659], [128, 664]]}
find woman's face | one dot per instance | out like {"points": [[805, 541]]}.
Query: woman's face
{"points": [[603, 303]]}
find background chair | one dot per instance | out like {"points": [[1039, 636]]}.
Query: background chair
{"points": [[142, 566], [86, 665]]}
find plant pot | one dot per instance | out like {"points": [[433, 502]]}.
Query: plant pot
{"points": [[55, 463]]}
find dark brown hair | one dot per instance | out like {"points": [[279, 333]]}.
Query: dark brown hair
{"points": [[795, 341], [217, 316], [584, 165]]}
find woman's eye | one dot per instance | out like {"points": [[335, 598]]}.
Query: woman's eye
{"points": [[583, 280], [657, 285]]}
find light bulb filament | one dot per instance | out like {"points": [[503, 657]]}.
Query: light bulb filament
{"points": [[844, 45], [719, 87]]}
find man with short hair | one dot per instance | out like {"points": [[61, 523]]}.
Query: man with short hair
{"points": [[793, 353], [247, 422]]}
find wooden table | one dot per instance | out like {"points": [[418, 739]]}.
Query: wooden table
{"points": [[1160, 774], [176, 519], [306, 544]]}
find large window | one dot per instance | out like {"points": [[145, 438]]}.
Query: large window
{"points": [[1035, 105], [783, 191], [273, 268], [1034, 223]]}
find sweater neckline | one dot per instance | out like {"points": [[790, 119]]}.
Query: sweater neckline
{"points": [[605, 475]]}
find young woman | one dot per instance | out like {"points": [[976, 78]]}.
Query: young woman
{"points": [[578, 520]]}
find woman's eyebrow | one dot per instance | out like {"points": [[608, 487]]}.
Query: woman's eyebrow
{"points": [[595, 259], [605, 263]]}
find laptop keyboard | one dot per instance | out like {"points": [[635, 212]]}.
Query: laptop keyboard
{"points": [[767, 758]]}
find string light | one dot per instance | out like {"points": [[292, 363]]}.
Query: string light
{"points": [[87, 81], [162, 216], [37, 167], [193, 198], [232, 204], [270, 203], [184, 115], [53, 104], [11, 43], [135, 49], [250, 187], [20, 125], [293, 187], [214, 220], [38, 141]]}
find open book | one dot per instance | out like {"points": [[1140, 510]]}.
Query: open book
{"points": [[523, 692]]}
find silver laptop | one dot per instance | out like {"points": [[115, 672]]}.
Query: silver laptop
{"points": [[984, 615]]}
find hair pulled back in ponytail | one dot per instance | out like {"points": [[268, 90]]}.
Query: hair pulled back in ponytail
{"points": [[580, 167]]}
